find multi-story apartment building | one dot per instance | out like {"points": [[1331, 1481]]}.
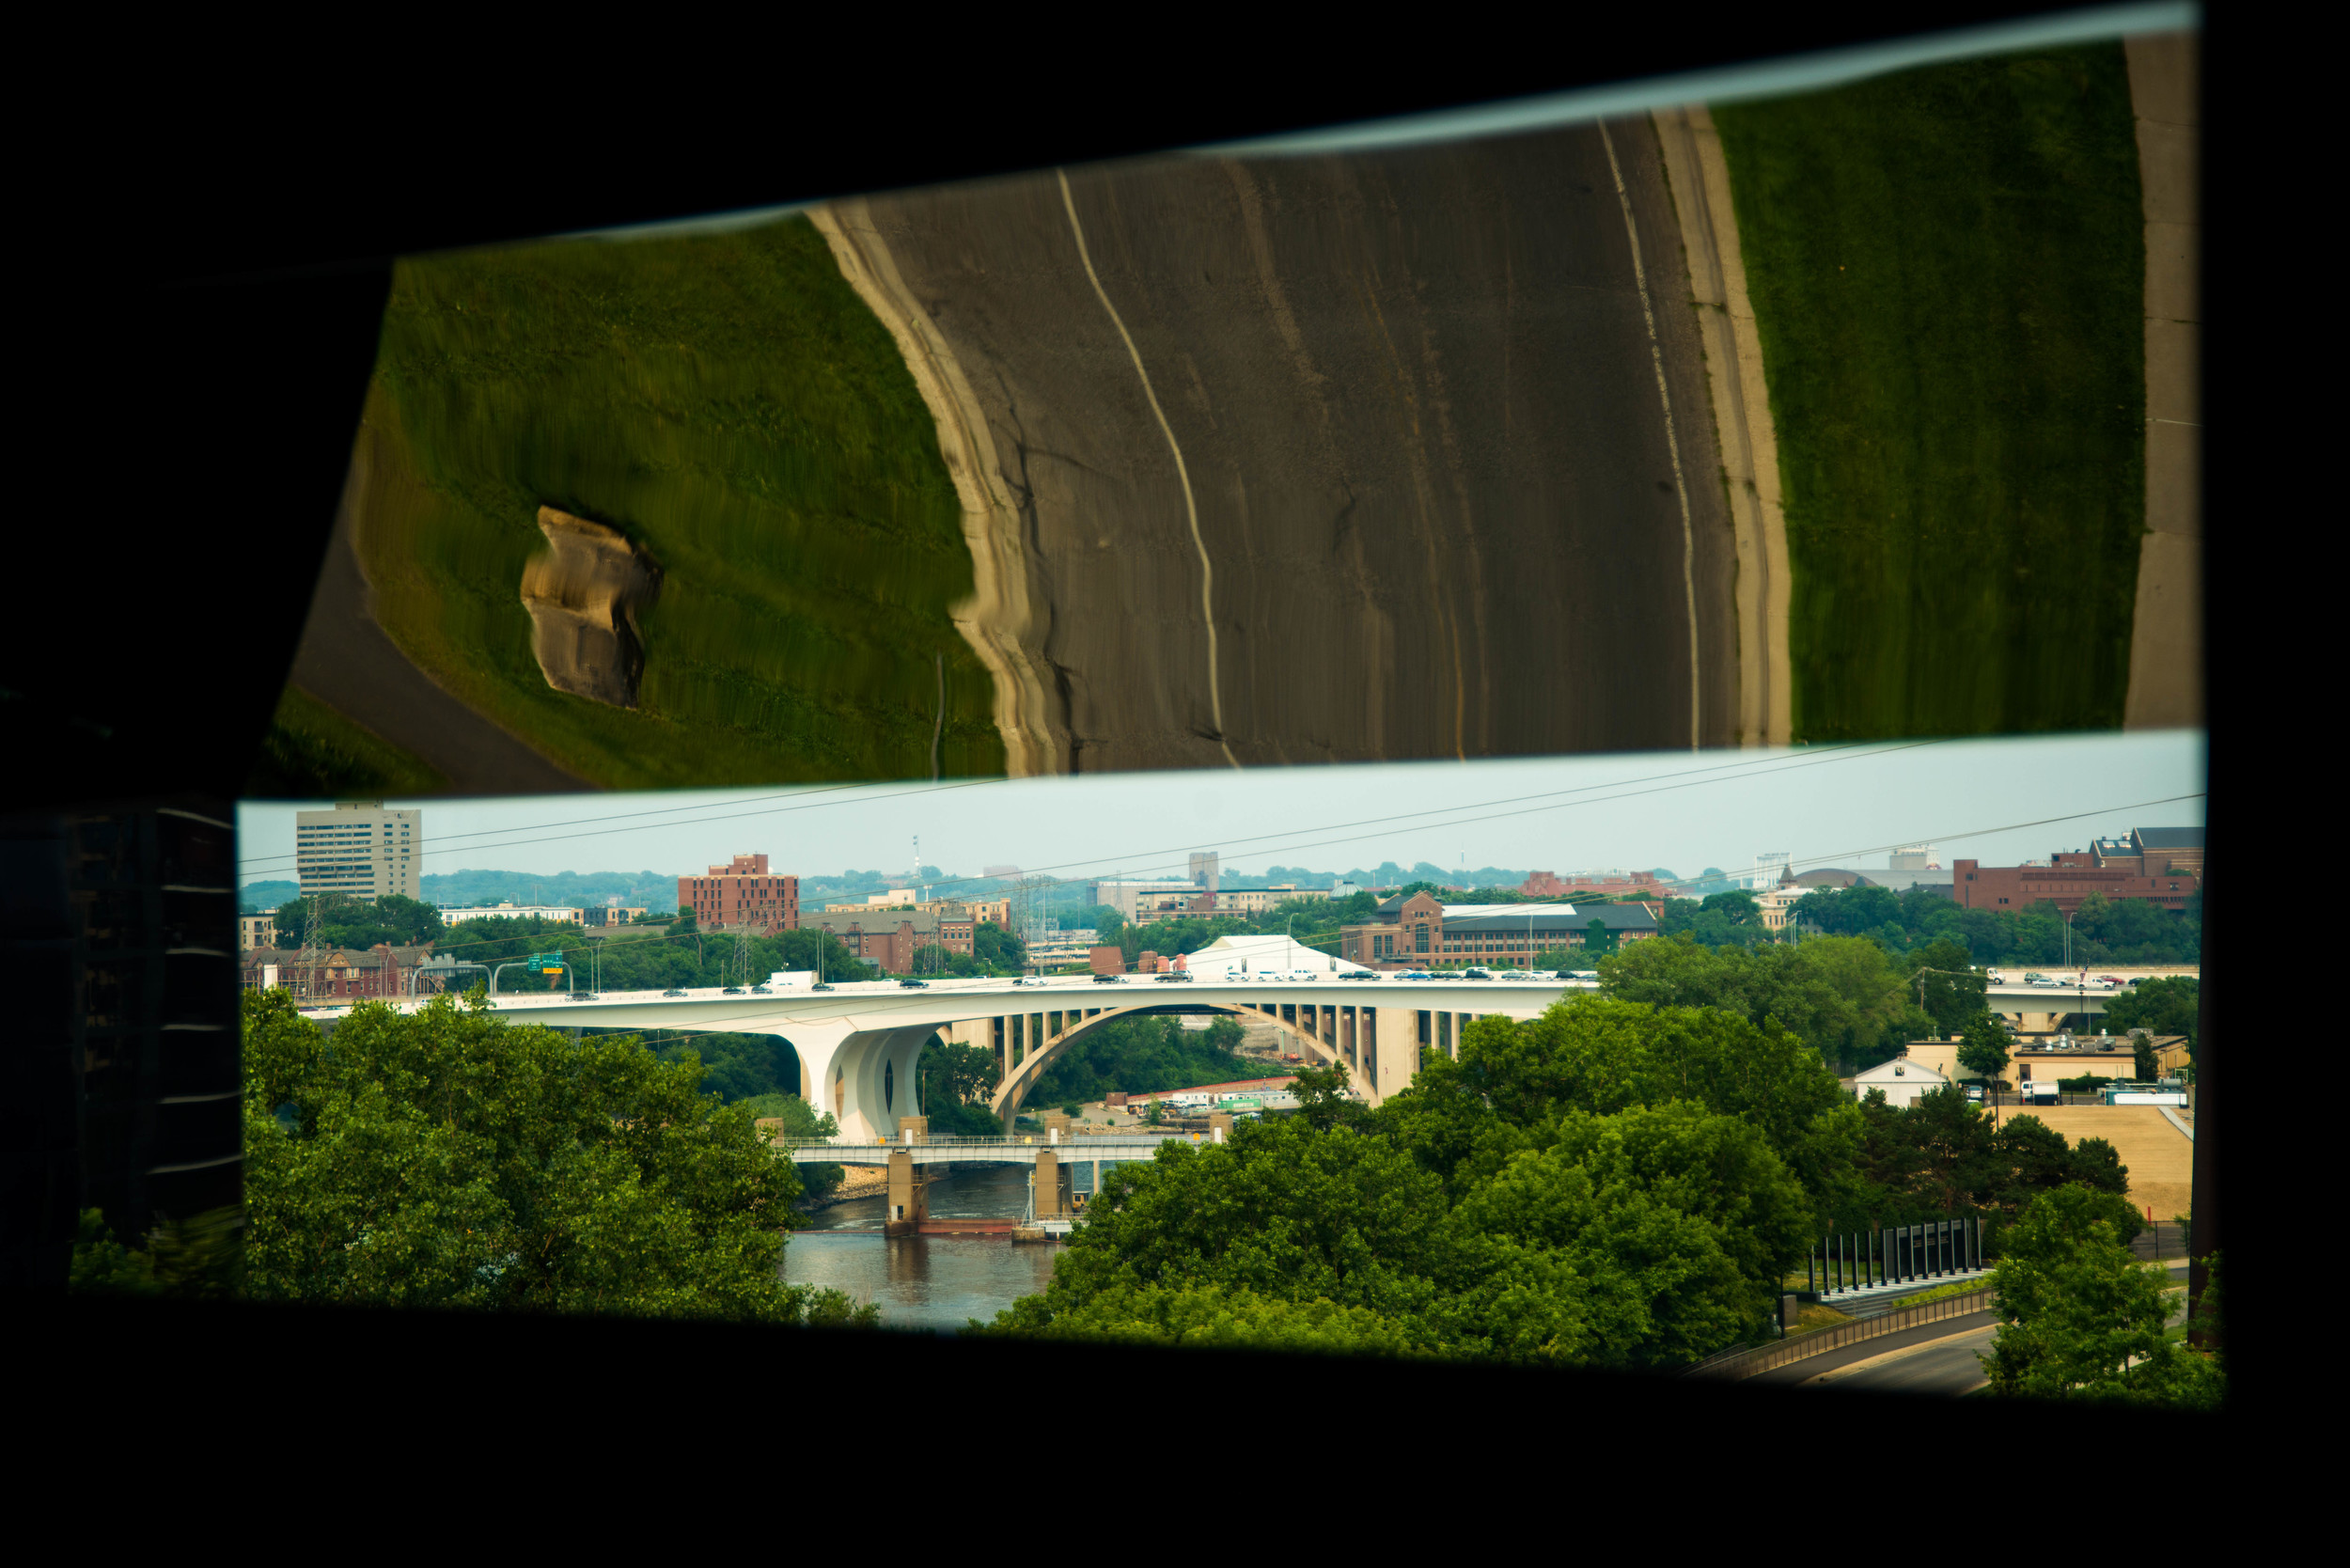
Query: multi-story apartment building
{"points": [[1421, 931], [359, 847], [743, 893], [256, 931]]}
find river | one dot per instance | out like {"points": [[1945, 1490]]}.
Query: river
{"points": [[927, 1282]]}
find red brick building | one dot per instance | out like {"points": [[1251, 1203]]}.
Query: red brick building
{"points": [[1405, 932], [890, 936], [2064, 880], [1542, 885], [743, 893], [338, 975]]}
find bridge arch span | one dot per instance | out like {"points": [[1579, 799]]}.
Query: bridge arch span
{"points": [[1014, 1091]]}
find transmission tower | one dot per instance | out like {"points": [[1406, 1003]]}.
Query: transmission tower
{"points": [[311, 920], [742, 930]]}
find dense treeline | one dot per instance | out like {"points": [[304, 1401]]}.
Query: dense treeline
{"points": [[449, 1159], [1143, 1056], [651, 954], [2104, 931], [1615, 1183], [1845, 996]]}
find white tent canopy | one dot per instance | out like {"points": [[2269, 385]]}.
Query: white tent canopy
{"points": [[1258, 955]]}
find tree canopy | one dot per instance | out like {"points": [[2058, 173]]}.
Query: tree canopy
{"points": [[448, 1159], [2081, 1319]]}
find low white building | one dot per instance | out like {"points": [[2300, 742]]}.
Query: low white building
{"points": [[1902, 1079], [511, 911]]}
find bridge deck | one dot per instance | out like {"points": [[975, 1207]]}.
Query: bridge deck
{"points": [[979, 1151]]}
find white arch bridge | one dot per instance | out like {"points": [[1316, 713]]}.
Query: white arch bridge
{"points": [[858, 1043]]}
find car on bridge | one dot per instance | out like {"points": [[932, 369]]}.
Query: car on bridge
{"points": [[1180, 975], [1108, 979], [673, 992], [731, 990], [1030, 979], [909, 983], [1477, 973], [1414, 974], [1358, 975]]}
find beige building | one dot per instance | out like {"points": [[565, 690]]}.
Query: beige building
{"points": [[256, 931], [359, 847]]}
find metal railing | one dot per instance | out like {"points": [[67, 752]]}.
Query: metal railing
{"points": [[1032, 1142], [1733, 1364]]}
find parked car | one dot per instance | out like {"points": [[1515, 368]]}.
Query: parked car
{"points": [[1974, 1092]]}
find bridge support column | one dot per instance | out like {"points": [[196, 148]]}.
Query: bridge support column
{"points": [[909, 1197], [1049, 1178], [841, 1073]]}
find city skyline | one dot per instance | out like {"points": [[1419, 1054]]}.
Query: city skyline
{"points": [[1823, 805]]}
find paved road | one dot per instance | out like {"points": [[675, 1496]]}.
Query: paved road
{"points": [[1935, 1359], [348, 661], [1422, 450]]}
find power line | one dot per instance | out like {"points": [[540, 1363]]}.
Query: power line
{"points": [[1812, 754], [925, 790]]}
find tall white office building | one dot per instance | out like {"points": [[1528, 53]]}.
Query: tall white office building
{"points": [[1769, 866], [360, 849]]}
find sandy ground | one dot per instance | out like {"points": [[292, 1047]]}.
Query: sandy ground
{"points": [[2167, 636], [2161, 1158], [1717, 273], [1390, 425]]}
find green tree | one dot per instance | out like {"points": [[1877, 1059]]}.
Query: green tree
{"points": [[2082, 1319], [999, 950], [2168, 1004], [2145, 1061], [958, 1073], [447, 1159], [1984, 1048], [1949, 990]]}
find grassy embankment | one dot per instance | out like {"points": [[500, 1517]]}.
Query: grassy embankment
{"points": [[729, 403], [314, 753], [1947, 267]]}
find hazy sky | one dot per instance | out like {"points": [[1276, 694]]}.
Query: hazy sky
{"points": [[1826, 806]]}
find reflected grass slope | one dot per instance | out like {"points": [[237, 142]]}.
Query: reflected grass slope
{"points": [[313, 752], [729, 404], [1948, 268]]}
